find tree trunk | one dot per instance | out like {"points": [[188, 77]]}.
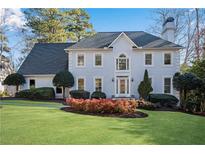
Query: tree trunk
{"points": [[17, 88], [63, 92], [197, 48]]}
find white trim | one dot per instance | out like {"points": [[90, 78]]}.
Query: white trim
{"points": [[151, 59], [125, 37], [171, 90], [84, 55], [81, 77], [102, 59], [167, 65], [89, 49], [94, 85]]}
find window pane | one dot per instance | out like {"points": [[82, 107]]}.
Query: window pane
{"points": [[150, 80], [80, 60], [98, 84], [148, 59], [58, 90], [167, 58], [122, 64], [81, 84], [167, 85], [98, 60], [32, 83]]}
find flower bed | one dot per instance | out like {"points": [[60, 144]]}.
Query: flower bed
{"points": [[107, 106]]}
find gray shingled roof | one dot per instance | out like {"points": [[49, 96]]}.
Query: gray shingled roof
{"points": [[46, 58], [140, 38]]}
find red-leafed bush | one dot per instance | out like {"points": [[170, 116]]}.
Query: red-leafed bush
{"points": [[103, 105]]}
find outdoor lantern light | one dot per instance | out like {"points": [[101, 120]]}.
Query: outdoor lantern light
{"points": [[113, 79], [132, 79]]}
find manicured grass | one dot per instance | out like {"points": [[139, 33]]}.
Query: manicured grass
{"points": [[29, 122]]}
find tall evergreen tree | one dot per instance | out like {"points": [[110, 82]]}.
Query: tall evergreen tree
{"points": [[79, 25], [145, 86], [58, 25]]}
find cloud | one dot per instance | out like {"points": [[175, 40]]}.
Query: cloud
{"points": [[12, 18]]}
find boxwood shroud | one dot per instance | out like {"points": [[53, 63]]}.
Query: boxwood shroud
{"points": [[80, 94], [163, 99], [44, 93]]}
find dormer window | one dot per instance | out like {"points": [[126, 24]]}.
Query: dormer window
{"points": [[122, 62]]}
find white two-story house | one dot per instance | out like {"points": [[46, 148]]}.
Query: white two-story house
{"points": [[111, 62]]}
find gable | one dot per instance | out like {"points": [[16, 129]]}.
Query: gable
{"points": [[125, 38]]}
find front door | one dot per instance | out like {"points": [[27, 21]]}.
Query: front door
{"points": [[122, 87]]}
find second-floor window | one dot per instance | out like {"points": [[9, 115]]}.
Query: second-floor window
{"points": [[80, 60], [122, 62], [148, 59], [167, 59], [98, 60]]}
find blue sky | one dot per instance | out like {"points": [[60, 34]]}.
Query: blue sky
{"points": [[120, 19], [111, 20]]}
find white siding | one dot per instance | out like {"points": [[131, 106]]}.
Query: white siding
{"points": [[137, 67]]}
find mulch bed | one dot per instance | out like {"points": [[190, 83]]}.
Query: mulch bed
{"points": [[137, 114]]}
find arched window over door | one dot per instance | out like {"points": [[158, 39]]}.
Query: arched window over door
{"points": [[122, 62]]}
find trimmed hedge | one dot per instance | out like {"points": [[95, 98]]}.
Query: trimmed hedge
{"points": [[45, 93], [98, 95], [80, 94], [164, 99]]}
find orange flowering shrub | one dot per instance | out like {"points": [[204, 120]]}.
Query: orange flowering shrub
{"points": [[103, 105]]}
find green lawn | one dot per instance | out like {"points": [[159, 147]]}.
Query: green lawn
{"points": [[28, 122]]}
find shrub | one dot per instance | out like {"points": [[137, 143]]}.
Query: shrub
{"points": [[98, 95], [164, 99], [63, 79], [142, 104], [145, 86], [80, 94], [44, 93], [103, 105]]}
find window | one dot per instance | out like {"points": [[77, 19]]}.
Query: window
{"points": [[167, 59], [148, 59], [98, 60], [81, 84], [122, 63], [80, 60], [167, 85], [59, 90], [98, 84], [32, 83]]}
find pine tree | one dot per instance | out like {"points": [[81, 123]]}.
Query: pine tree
{"points": [[145, 86]]}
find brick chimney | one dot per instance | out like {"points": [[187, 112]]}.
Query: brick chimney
{"points": [[168, 29]]}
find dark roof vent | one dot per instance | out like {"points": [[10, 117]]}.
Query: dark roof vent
{"points": [[169, 19]]}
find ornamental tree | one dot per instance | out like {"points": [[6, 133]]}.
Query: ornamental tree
{"points": [[145, 86], [14, 79], [63, 79]]}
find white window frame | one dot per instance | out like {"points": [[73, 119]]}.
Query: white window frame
{"points": [[171, 87], [77, 60], [94, 64], [117, 66], [94, 84], [81, 77], [145, 59], [164, 58]]}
